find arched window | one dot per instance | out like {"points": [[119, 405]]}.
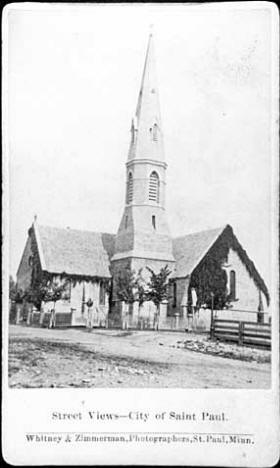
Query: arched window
{"points": [[260, 315], [154, 221], [232, 285], [129, 196], [154, 187], [174, 294]]}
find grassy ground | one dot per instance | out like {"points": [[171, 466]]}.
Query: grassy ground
{"points": [[114, 358]]}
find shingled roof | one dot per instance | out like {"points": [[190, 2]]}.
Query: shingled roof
{"points": [[189, 250], [75, 252]]}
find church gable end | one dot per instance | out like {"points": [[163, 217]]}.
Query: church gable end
{"points": [[30, 267], [253, 274], [227, 271]]}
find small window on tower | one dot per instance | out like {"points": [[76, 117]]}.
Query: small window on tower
{"points": [[154, 221], [155, 132], [129, 193], [126, 222]]}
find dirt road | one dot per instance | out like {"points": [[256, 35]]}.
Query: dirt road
{"points": [[40, 357]]}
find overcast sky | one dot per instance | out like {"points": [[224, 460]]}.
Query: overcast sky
{"points": [[73, 80]]}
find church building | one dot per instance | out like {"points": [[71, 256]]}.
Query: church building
{"points": [[91, 261]]}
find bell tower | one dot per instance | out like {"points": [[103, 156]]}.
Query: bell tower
{"points": [[143, 237]]}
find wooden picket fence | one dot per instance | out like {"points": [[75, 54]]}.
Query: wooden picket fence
{"points": [[62, 319], [243, 333]]}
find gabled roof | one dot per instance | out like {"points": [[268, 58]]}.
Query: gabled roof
{"points": [[74, 252], [189, 250]]}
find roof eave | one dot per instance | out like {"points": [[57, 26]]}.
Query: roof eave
{"points": [[77, 275], [39, 245]]}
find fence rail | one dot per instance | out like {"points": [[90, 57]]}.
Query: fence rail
{"points": [[243, 333]]}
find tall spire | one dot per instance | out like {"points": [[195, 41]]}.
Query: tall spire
{"points": [[148, 95], [143, 236], [146, 141]]}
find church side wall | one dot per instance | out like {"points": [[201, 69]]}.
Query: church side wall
{"points": [[247, 293], [247, 297], [86, 290], [79, 312], [80, 291], [181, 284]]}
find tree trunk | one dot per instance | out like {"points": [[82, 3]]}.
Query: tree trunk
{"points": [[156, 318]]}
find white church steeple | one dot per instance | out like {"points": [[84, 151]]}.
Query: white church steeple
{"points": [[143, 234], [146, 142]]}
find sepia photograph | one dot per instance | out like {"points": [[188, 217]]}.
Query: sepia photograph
{"points": [[140, 233], [139, 237]]}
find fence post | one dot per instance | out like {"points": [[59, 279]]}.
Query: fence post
{"points": [[18, 313], [29, 315], [240, 333], [176, 315], [212, 326]]}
